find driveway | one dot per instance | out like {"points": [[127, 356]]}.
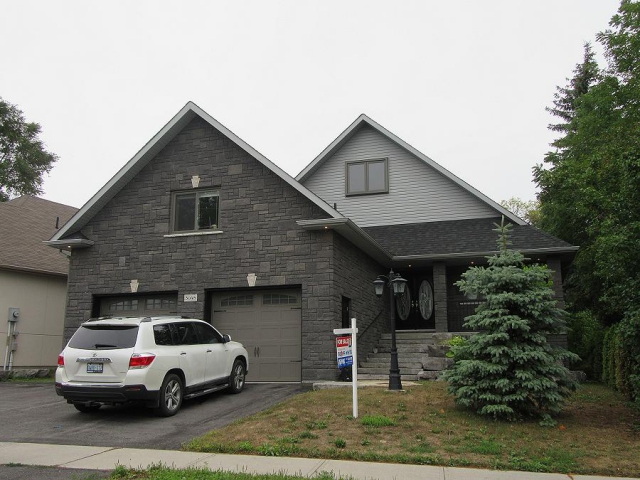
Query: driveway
{"points": [[34, 413]]}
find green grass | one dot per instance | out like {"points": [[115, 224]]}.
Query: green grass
{"points": [[422, 425], [377, 421], [164, 473], [50, 379]]}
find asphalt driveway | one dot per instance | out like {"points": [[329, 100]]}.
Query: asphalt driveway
{"points": [[34, 413]]}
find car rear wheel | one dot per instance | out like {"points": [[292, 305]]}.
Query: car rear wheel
{"points": [[81, 407], [171, 394], [236, 379]]}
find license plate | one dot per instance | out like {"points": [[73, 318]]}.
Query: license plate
{"points": [[94, 367]]}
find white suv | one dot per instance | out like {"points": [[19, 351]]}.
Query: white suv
{"points": [[158, 361]]}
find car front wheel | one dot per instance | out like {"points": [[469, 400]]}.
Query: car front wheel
{"points": [[171, 394], [236, 379]]}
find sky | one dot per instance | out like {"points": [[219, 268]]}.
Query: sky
{"points": [[464, 82]]}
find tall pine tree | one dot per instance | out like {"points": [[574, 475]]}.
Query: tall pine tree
{"points": [[508, 370]]}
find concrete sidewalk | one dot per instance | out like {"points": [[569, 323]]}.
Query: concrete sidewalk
{"points": [[105, 458]]}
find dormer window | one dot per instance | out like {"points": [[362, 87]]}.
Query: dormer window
{"points": [[367, 176]]}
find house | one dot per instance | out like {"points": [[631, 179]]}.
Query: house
{"points": [[199, 223], [33, 279]]}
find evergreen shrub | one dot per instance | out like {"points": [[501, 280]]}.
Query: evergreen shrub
{"points": [[508, 370]]}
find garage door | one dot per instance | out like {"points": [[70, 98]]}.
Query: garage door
{"points": [[139, 305], [268, 324]]}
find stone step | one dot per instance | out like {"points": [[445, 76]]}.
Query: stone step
{"points": [[403, 377], [410, 362], [402, 354], [408, 333], [403, 348], [429, 340], [385, 358], [412, 365], [385, 371]]}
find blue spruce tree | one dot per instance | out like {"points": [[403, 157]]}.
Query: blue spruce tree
{"points": [[508, 370]]}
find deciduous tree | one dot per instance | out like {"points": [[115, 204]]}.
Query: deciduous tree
{"points": [[23, 156], [590, 185]]}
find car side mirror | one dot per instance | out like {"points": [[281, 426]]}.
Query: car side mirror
{"points": [[226, 338]]}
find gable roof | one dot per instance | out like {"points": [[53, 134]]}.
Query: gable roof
{"points": [[27, 222], [151, 149], [474, 237], [364, 120]]}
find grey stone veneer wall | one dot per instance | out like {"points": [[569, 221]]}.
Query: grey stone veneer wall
{"points": [[354, 273], [258, 211]]}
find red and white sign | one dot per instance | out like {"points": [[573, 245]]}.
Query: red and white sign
{"points": [[344, 351]]}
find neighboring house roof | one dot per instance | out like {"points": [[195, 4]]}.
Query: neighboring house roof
{"points": [[153, 147], [364, 120], [27, 222], [461, 238]]}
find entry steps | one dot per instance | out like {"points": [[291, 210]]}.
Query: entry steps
{"points": [[421, 356]]}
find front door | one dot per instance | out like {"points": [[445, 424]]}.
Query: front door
{"points": [[415, 308]]}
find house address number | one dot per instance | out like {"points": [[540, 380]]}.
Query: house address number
{"points": [[190, 297]]}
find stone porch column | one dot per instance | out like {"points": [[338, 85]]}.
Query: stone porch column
{"points": [[554, 264], [440, 296]]}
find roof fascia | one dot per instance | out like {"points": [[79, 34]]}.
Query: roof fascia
{"points": [[32, 271], [266, 162], [352, 233], [70, 243], [350, 131], [157, 143], [451, 256], [331, 149]]}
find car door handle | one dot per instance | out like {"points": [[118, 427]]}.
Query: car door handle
{"points": [[209, 351], [183, 353]]}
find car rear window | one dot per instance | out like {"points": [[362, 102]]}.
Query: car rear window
{"points": [[104, 337]]}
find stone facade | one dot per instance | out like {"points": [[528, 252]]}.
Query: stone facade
{"points": [[354, 273], [258, 213]]}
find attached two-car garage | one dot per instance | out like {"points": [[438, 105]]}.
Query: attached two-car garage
{"points": [[267, 322], [269, 325]]}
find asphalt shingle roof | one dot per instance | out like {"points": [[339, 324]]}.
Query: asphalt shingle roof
{"points": [[25, 223], [457, 236]]}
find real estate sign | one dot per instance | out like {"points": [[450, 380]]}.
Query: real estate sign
{"points": [[344, 351]]}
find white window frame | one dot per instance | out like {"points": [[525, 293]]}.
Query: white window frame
{"points": [[366, 163]]}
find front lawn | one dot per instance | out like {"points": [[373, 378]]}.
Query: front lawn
{"points": [[598, 433]]}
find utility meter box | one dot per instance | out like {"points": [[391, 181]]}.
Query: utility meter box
{"points": [[14, 314]]}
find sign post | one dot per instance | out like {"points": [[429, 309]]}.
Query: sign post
{"points": [[347, 354]]}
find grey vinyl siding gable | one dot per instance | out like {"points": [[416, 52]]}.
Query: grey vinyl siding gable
{"points": [[417, 192]]}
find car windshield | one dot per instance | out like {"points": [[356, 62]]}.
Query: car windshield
{"points": [[104, 337]]}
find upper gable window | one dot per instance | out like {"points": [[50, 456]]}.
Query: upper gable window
{"points": [[195, 211], [367, 176]]}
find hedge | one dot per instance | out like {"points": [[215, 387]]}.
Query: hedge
{"points": [[621, 356]]}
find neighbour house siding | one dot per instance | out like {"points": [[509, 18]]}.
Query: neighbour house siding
{"points": [[258, 216], [417, 192], [41, 300]]}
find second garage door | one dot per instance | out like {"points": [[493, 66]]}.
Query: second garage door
{"points": [[269, 325]]}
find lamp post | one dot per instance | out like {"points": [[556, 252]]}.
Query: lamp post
{"points": [[396, 285]]}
